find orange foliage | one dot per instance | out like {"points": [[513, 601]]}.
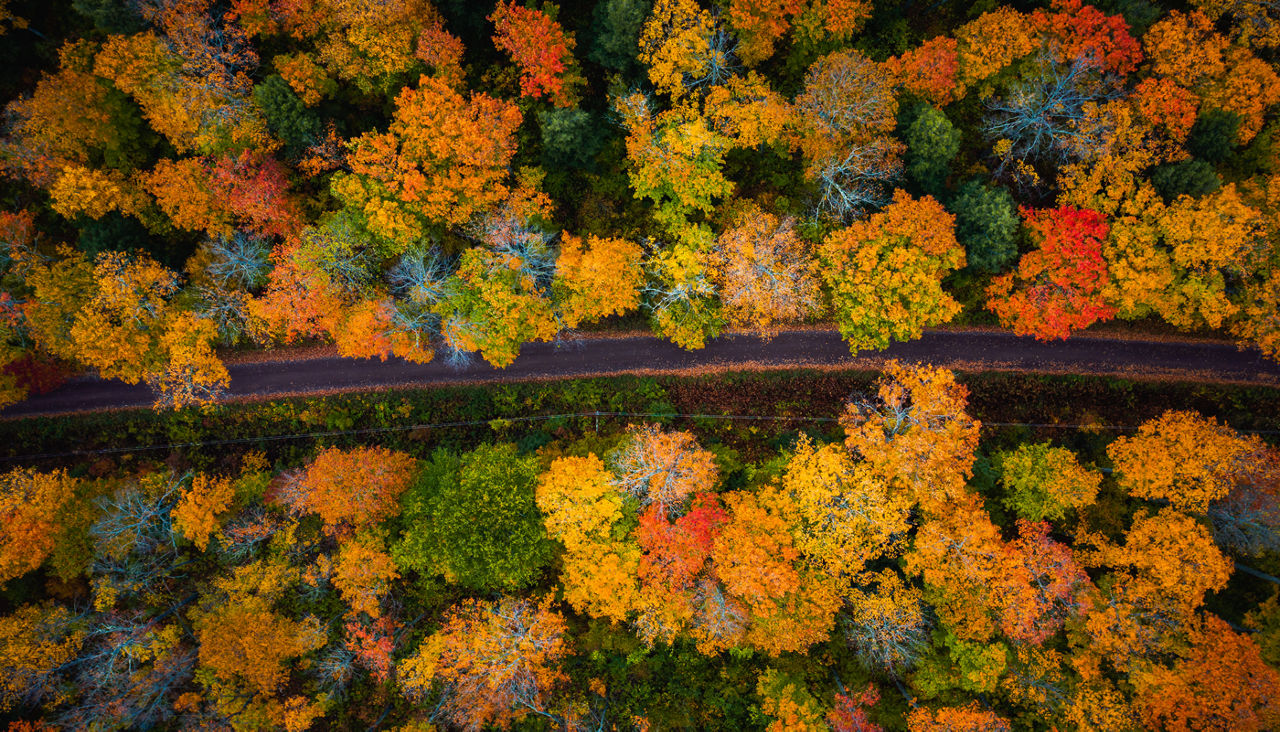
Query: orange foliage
{"points": [[596, 278], [196, 515], [760, 24], [32, 508], [929, 70], [245, 640], [363, 574], [357, 488], [970, 718], [1083, 31], [1184, 48]]}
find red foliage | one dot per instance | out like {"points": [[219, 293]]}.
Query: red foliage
{"points": [[1082, 30], [849, 713], [373, 643], [928, 70], [255, 186], [540, 47], [676, 550], [1058, 287]]}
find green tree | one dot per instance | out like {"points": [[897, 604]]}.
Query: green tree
{"points": [[987, 226], [1044, 482], [1214, 135], [1192, 177], [932, 142], [287, 117], [615, 30], [570, 138], [473, 520]]}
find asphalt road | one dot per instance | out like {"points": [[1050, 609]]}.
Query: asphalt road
{"points": [[963, 350]]}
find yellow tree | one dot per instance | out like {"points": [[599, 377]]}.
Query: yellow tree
{"points": [[683, 48], [363, 574], [36, 641], [119, 331], [199, 512], [493, 661], [1183, 458], [885, 273], [33, 505], [915, 434], [843, 515], [596, 277]]}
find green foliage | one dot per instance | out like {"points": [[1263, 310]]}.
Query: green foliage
{"points": [[286, 116], [111, 16], [615, 30], [957, 664], [570, 138], [1191, 177], [473, 519], [932, 143], [1214, 135], [986, 225]]}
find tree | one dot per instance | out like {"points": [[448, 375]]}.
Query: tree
{"points": [[885, 273], [540, 48], [932, 142], [36, 641], [363, 574], [916, 433], [886, 624], [352, 489], [680, 297], [119, 330], [615, 30], [1057, 287], [571, 138], [986, 226], [929, 70], [683, 48], [662, 469], [1187, 177], [1214, 135], [1184, 48], [493, 661], [848, 111], [596, 278], [1043, 482], [1083, 31], [286, 116], [443, 159], [843, 515], [1183, 458], [675, 159], [969, 718], [33, 505], [760, 24], [474, 519], [196, 516], [991, 42], [763, 273], [245, 641], [787, 701]]}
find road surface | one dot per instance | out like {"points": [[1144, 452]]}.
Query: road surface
{"points": [[963, 350]]}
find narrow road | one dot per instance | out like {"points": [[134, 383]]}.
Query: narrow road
{"points": [[962, 350]]}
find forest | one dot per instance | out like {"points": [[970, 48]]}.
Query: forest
{"points": [[182, 179], [184, 182], [899, 565]]}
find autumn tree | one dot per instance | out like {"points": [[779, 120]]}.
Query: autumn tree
{"points": [[196, 516], [36, 642], [1043, 482], [363, 574], [915, 432], [494, 662], [662, 469], [118, 331], [542, 50], [764, 274], [848, 112], [32, 507], [886, 623], [1058, 287], [928, 70], [760, 24], [596, 277], [968, 718], [350, 489], [885, 273], [1183, 458], [680, 297], [443, 159], [991, 42], [683, 48], [787, 701], [1219, 680]]}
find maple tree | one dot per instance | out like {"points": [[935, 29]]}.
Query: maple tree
{"points": [[196, 514], [1058, 287], [763, 273], [885, 273], [35, 642], [32, 505], [442, 159], [1183, 458], [542, 50], [683, 48], [363, 574], [929, 70], [352, 489], [596, 277], [494, 661], [915, 432]]}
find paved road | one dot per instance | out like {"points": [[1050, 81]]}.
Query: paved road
{"points": [[965, 350]]}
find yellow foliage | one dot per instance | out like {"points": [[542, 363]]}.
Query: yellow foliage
{"points": [[196, 515]]}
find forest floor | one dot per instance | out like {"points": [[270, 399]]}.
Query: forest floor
{"points": [[318, 371]]}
